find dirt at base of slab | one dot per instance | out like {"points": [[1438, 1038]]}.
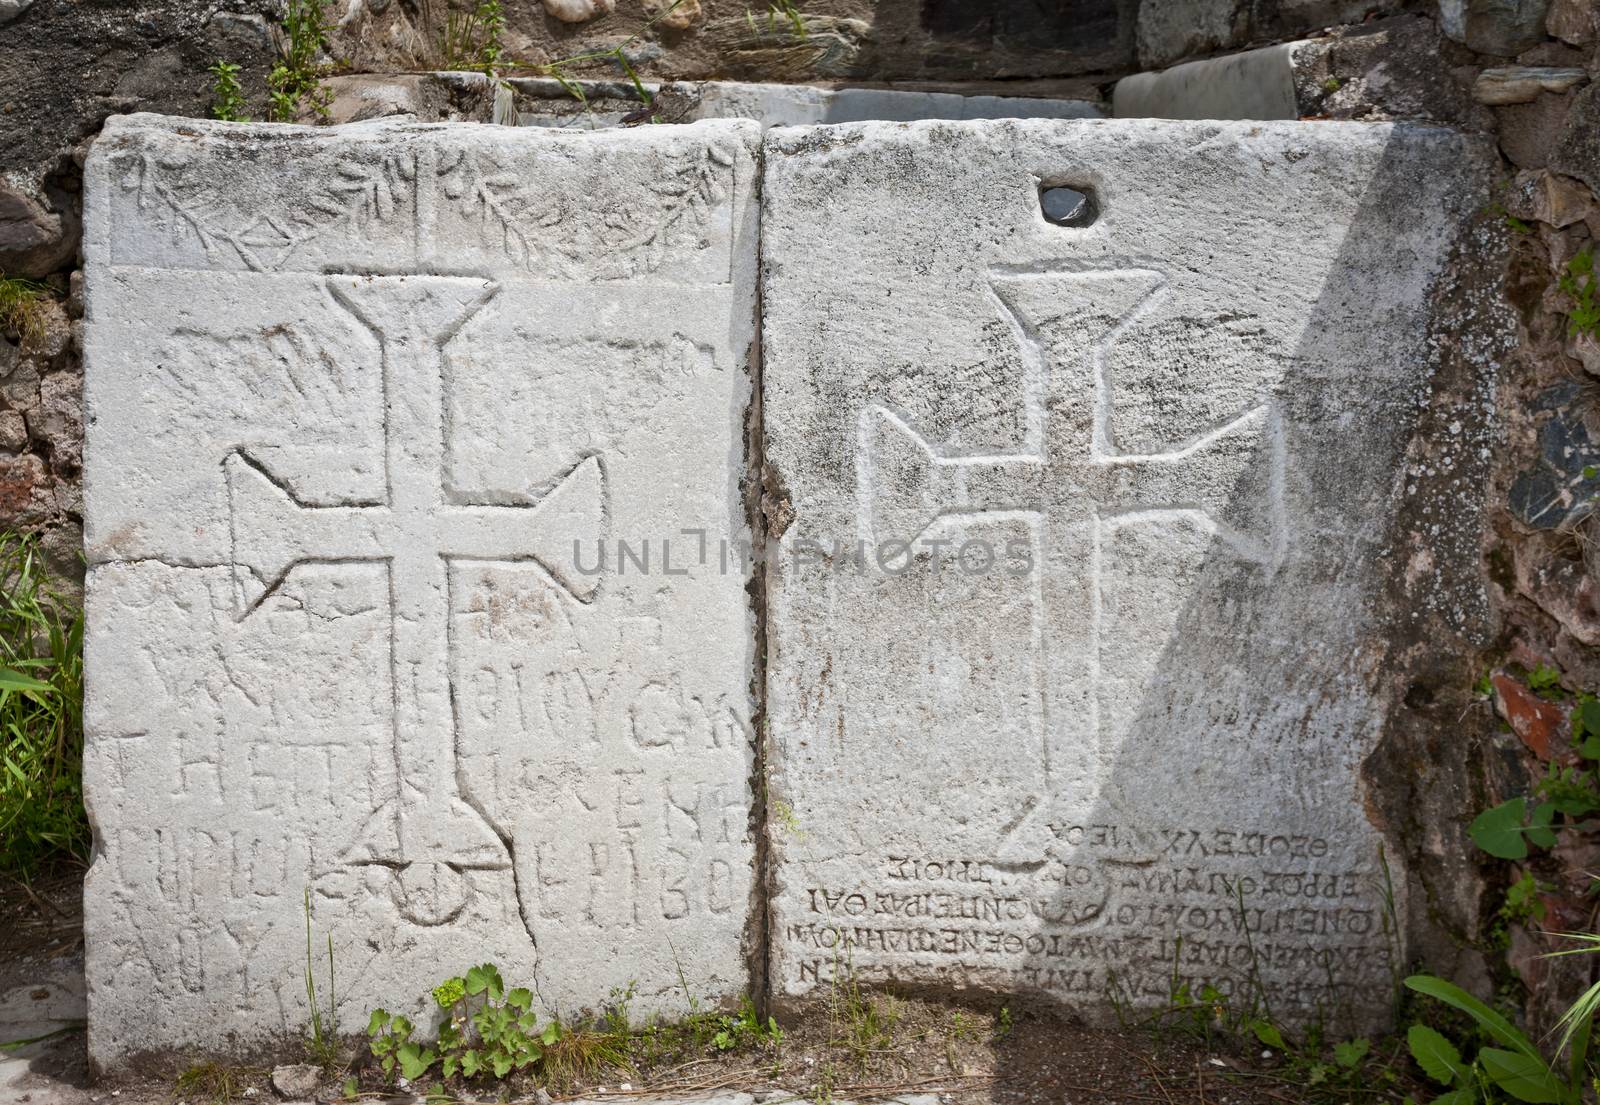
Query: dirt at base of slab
{"points": [[848, 1045]]}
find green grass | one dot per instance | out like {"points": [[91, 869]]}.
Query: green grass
{"points": [[42, 821], [19, 306]]}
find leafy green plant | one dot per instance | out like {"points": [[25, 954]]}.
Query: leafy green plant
{"points": [[1515, 1068], [1506, 830], [1545, 681], [295, 80], [1578, 282], [19, 306], [227, 97], [488, 1030], [41, 716]]}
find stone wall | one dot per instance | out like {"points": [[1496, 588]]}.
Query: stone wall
{"points": [[1521, 73]]}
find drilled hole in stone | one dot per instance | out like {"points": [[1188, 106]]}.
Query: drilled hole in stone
{"points": [[1068, 206]]}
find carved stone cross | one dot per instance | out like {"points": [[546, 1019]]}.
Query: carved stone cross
{"points": [[1071, 486], [432, 830]]}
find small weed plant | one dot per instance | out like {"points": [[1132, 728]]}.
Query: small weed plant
{"points": [[745, 1029], [861, 1022], [1578, 282], [780, 18], [322, 1044], [474, 39], [209, 1081], [295, 80], [227, 97], [42, 819], [20, 312]]}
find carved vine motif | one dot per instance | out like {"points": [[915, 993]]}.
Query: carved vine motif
{"points": [[361, 194], [480, 188], [683, 202], [614, 242], [537, 228]]}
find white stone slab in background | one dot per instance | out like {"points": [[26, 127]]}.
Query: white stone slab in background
{"points": [[785, 105], [1254, 84], [1119, 691], [353, 396]]}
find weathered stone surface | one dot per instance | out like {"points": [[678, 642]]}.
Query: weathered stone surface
{"points": [[1577, 151], [1399, 68], [1394, 68], [1519, 84], [1571, 21], [1552, 198], [1171, 30], [1503, 27], [1077, 614], [356, 427], [66, 66], [1529, 133]]}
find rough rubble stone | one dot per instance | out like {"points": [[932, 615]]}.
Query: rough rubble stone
{"points": [[296, 1080], [363, 96], [1571, 21], [34, 241], [1577, 151], [1077, 613], [13, 432], [1399, 68], [1556, 489], [1552, 198], [366, 434], [1529, 133], [1169, 32], [1503, 27], [1519, 84]]}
